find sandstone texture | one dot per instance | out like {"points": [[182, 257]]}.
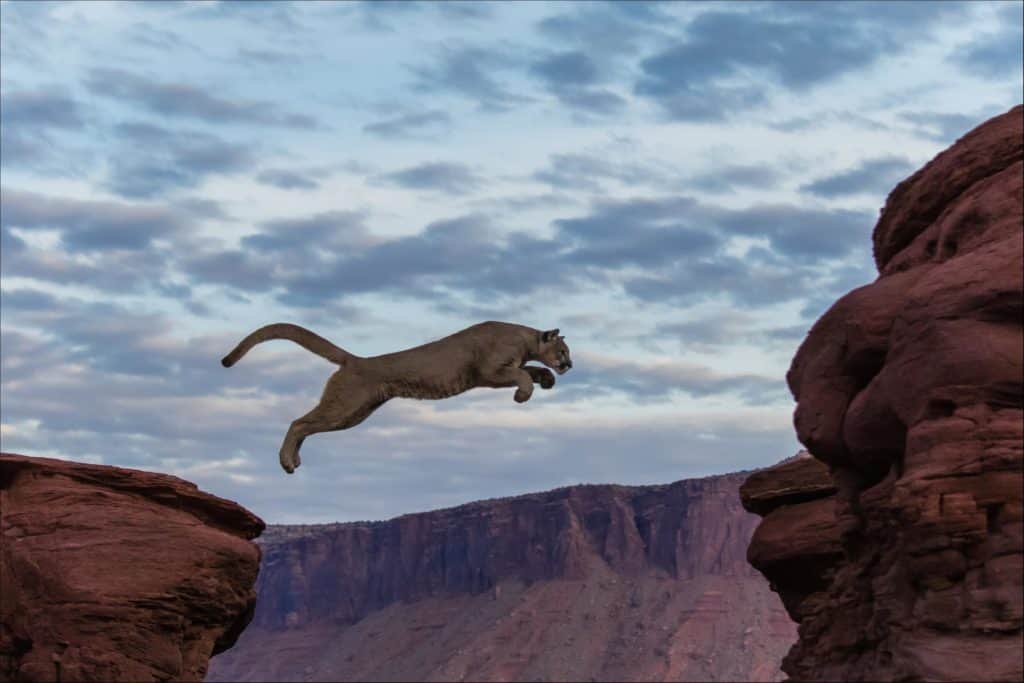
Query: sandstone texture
{"points": [[910, 391], [111, 574], [642, 583]]}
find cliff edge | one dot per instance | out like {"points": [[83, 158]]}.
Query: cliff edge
{"points": [[904, 558], [111, 574]]}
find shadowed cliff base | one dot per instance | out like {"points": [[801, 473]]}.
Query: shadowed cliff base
{"points": [[609, 582], [910, 390], [112, 574]]}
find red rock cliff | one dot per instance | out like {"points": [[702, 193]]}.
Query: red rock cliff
{"points": [[111, 574], [586, 582], [910, 390]]}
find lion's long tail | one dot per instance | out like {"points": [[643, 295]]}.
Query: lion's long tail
{"points": [[299, 335]]}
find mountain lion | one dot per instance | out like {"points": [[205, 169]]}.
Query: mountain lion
{"points": [[490, 354]]}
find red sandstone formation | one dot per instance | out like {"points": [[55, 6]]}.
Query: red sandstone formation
{"points": [[797, 545], [582, 583], [910, 390], [110, 574]]}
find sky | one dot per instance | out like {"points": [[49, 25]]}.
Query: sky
{"points": [[681, 188]]}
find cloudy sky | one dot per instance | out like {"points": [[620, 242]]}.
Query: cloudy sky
{"points": [[681, 188]]}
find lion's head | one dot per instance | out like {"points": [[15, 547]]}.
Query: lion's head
{"points": [[554, 352]]}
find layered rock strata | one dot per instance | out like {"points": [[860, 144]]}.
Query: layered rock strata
{"points": [[910, 390], [581, 583]]}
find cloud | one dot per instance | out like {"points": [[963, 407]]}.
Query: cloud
{"points": [[571, 77], [107, 246], [270, 57], [566, 69], [727, 278], [88, 224], [803, 235], [942, 127], [467, 10], [282, 252], [447, 177], [721, 65], [42, 107], [711, 333], [10, 243], [679, 243], [153, 160], [35, 127], [231, 267], [618, 235], [469, 72], [287, 180], [386, 16], [409, 125], [159, 39], [730, 177], [588, 172], [648, 382], [669, 249], [999, 54], [410, 264], [282, 20], [185, 100], [330, 229], [381, 16], [620, 28], [26, 32], [871, 176], [112, 272]]}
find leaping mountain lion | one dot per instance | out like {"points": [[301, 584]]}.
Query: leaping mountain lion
{"points": [[489, 354]]}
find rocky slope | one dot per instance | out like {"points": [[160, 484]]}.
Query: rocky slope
{"points": [[910, 390], [110, 574], [581, 583]]}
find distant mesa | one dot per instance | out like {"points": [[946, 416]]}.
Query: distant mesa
{"points": [[616, 583]]}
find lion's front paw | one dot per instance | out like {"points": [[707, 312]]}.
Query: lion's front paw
{"points": [[522, 396], [546, 379]]}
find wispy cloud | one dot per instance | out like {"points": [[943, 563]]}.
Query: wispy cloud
{"points": [[186, 100], [873, 176], [154, 160], [724, 65], [90, 225], [472, 72], [410, 124], [442, 176]]}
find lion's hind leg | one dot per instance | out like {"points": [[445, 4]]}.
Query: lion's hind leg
{"points": [[313, 422]]}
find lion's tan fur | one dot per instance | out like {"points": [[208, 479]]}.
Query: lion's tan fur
{"points": [[489, 354]]}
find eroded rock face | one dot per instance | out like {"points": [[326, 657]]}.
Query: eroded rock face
{"points": [[615, 583], [111, 574], [797, 545], [910, 389]]}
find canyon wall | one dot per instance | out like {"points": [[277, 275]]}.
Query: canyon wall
{"points": [[907, 529], [111, 574], [585, 582]]}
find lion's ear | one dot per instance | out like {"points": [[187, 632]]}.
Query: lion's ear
{"points": [[549, 335]]}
